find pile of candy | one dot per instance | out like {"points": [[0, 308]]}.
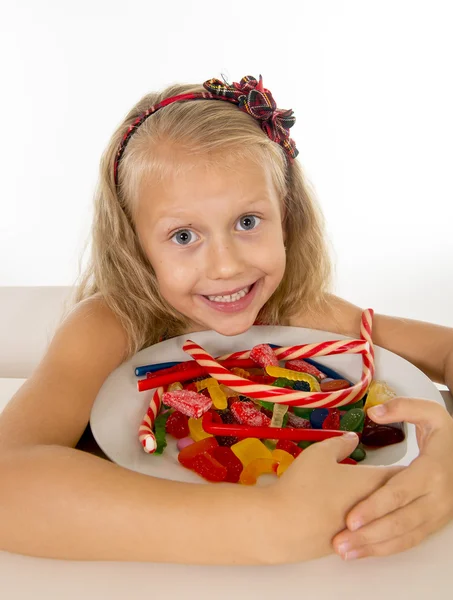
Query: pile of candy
{"points": [[244, 414]]}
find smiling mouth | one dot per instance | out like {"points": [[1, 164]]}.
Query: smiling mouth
{"points": [[234, 297]]}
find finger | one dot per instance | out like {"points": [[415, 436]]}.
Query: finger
{"points": [[405, 487], [412, 410], [396, 544], [396, 524], [335, 448]]}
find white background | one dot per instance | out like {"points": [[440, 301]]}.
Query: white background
{"points": [[370, 84]]}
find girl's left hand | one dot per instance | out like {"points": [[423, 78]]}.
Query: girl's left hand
{"points": [[416, 501]]}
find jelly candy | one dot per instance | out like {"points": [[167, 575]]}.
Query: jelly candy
{"points": [[176, 385], [304, 444], [334, 385], [375, 434], [159, 432], [228, 459], [248, 414], [255, 468], [304, 413], [189, 403], [187, 455], [318, 417], [240, 372], [229, 393], [358, 404], [304, 367], [263, 355], [183, 442], [208, 467], [378, 393], [289, 447], [197, 432], [353, 420], [298, 422], [283, 458], [249, 449], [283, 382], [218, 397], [302, 386], [359, 453], [278, 414], [294, 376], [177, 425], [332, 421]]}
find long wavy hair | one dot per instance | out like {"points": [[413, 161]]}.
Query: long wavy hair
{"points": [[118, 270]]}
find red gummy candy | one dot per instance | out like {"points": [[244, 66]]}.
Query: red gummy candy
{"points": [[334, 385], [228, 459], [264, 356], [289, 447], [189, 403], [248, 414], [332, 421], [348, 461], [304, 367], [191, 387], [209, 468], [188, 454], [262, 379], [177, 425]]}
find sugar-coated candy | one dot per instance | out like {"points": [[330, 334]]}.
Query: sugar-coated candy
{"points": [[247, 413], [257, 467], [283, 458], [249, 449], [378, 393], [228, 459], [332, 421], [289, 447], [317, 417], [209, 468], [189, 403], [298, 422], [294, 376], [183, 442], [304, 367], [197, 432], [188, 454], [177, 425], [334, 385], [375, 434], [353, 420], [263, 355]]}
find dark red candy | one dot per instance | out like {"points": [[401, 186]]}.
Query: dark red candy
{"points": [[188, 454], [177, 425], [264, 356], [375, 434], [226, 440], [228, 459], [208, 467], [348, 461], [191, 387], [332, 421], [262, 379], [289, 447], [334, 385]]}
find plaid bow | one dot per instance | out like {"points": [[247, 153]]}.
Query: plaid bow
{"points": [[253, 98]]}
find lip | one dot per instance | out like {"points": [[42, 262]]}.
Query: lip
{"points": [[230, 293], [237, 305]]}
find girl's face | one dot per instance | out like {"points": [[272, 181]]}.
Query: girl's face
{"points": [[214, 238]]}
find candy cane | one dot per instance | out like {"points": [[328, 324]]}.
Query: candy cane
{"points": [[145, 432], [289, 397]]}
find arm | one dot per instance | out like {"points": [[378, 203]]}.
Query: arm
{"points": [[59, 502], [427, 346]]}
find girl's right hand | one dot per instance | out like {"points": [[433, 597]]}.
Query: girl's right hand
{"points": [[311, 500]]}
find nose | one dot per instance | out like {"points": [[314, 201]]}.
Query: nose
{"points": [[224, 260]]}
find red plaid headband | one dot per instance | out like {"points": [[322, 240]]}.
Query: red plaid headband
{"points": [[249, 95]]}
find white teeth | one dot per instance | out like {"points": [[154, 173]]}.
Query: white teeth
{"points": [[233, 297]]}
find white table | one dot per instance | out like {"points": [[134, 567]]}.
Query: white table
{"points": [[420, 573]]}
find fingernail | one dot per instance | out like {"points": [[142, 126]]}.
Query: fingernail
{"points": [[344, 547], [355, 525], [349, 434], [351, 555], [377, 411]]}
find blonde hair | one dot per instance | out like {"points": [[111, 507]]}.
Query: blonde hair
{"points": [[215, 131]]}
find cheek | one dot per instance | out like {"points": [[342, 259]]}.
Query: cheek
{"points": [[174, 275]]}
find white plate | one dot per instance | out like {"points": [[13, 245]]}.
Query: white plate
{"points": [[119, 407]]}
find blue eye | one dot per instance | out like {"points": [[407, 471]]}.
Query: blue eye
{"points": [[183, 237], [249, 222]]}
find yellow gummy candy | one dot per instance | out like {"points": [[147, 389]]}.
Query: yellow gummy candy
{"points": [[378, 393], [294, 376], [284, 459], [278, 413], [205, 383], [218, 397], [255, 468], [197, 432], [176, 385], [249, 449]]}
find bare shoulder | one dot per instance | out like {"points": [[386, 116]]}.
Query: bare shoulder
{"points": [[335, 314], [54, 404]]}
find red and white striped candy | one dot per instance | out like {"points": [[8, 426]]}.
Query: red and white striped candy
{"points": [[145, 432], [291, 397]]}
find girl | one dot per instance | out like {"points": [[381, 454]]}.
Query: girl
{"points": [[203, 220]]}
